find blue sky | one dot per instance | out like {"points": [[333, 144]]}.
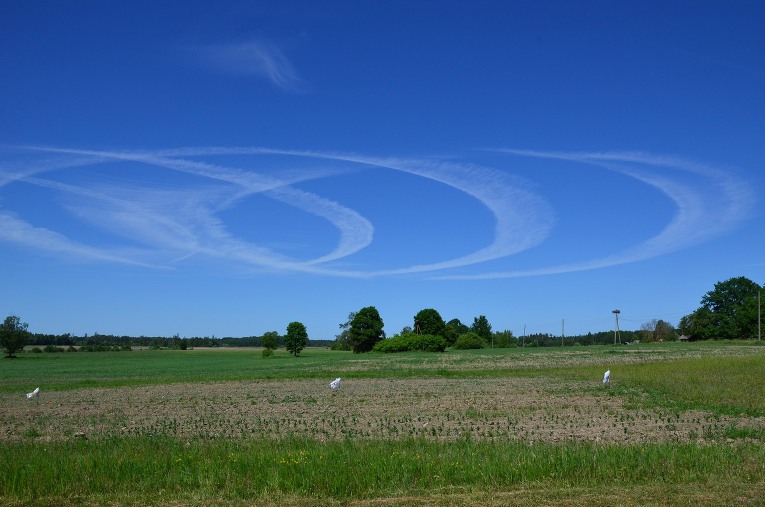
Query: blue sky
{"points": [[174, 167]]}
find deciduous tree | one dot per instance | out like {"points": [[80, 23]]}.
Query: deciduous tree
{"points": [[454, 329], [429, 321], [482, 328], [343, 340], [13, 335], [270, 340], [296, 339], [657, 330], [729, 311], [366, 330]]}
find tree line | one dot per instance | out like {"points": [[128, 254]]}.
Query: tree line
{"points": [[14, 335], [363, 332], [731, 310]]}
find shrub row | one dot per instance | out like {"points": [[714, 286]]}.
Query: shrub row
{"points": [[411, 341], [469, 340]]}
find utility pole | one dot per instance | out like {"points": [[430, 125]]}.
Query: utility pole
{"points": [[616, 329], [759, 317], [562, 330], [523, 340]]}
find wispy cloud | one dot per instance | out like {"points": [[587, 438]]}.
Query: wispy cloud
{"points": [[42, 239], [709, 204], [254, 58], [523, 219], [150, 213], [178, 221]]}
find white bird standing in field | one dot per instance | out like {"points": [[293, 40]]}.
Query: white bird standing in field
{"points": [[607, 377], [34, 393], [335, 383]]}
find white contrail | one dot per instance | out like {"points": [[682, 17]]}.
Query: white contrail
{"points": [[718, 203], [182, 222], [356, 232], [523, 219]]}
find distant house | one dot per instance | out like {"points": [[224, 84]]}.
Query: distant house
{"points": [[683, 338]]}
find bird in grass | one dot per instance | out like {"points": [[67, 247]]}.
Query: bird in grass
{"points": [[34, 393], [335, 383], [607, 377]]}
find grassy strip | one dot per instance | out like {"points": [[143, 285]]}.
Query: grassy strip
{"points": [[718, 384], [724, 385], [160, 469], [79, 370]]}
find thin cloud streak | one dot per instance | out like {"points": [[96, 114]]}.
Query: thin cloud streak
{"points": [[701, 214], [523, 219], [184, 222], [23, 233], [356, 232], [252, 58], [140, 215]]}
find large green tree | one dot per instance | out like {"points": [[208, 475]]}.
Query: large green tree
{"points": [[366, 329], [13, 335], [727, 312], [429, 321], [482, 328], [454, 329], [270, 340], [296, 339]]}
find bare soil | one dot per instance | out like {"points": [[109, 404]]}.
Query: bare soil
{"points": [[443, 409]]}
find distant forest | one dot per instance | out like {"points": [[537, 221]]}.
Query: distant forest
{"points": [[176, 342]]}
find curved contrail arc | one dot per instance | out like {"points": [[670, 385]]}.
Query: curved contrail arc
{"points": [[701, 214], [186, 221]]}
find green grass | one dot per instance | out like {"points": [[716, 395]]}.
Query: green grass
{"points": [[723, 385], [721, 378], [63, 371], [160, 469]]}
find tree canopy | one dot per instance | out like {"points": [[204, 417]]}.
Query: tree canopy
{"points": [[481, 327], [727, 312], [657, 330], [296, 339], [366, 330], [13, 335], [454, 329], [343, 340], [270, 340], [429, 321]]}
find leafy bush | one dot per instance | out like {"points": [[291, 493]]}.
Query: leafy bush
{"points": [[267, 353], [36, 350], [53, 348], [411, 341], [469, 340]]}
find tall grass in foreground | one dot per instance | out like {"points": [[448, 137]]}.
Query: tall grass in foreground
{"points": [[156, 468]]}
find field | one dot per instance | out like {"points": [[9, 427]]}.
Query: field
{"points": [[679, 424]]}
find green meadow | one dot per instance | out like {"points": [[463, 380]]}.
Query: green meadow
{"points": [[679, 424]]}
